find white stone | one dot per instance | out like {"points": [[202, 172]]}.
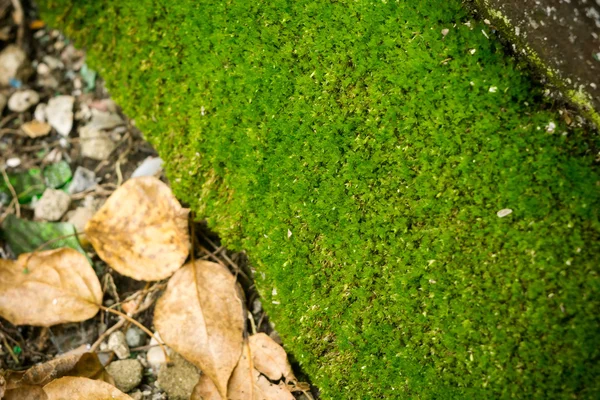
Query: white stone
{"points": [[59, 114], [151, 166], [22, 100], [52, 206], [40, 112], [13, 162], [155, 356], [14, 64], [118, 345], [43, 69], [53, 63], [504, 212]]}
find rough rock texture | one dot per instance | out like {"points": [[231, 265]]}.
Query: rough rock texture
{"points": [[360, 152], [126, 373], [178, 378], [562, 37]]}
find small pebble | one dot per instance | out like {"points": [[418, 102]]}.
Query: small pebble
{"points": [[83, 179], [126, 373], [43, 69], [14, 65], [35, 129], [178, 378], [52, 205], [151, 166], [21, 101], [135, 337], [40, 112], [118, 344], [59, 113], [13, 162], [155, 356]]}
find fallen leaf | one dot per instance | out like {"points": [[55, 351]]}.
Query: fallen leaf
{"points": [[24, 236], [265, 390], [241, 385], [35, 129], [85, 365], [74, 388], [205, 389], [141, 231], [26, 393], [270, 358], [48, 288], [201, 317]]}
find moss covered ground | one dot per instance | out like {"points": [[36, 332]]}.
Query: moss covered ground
{"points": [[360, 156]]}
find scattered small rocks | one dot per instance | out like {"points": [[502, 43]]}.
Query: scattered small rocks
{"points": [[178, 378], [135, 337], [118, 345], [35, 129], [52, 205], [59, 114], [126, 373], [83, 179], [21, 101], [14, 64]]}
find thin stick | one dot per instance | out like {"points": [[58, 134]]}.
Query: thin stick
{"points": [[251, 318], [142, 327], [107, 333], [10, 350], [18, 16], [13, 192]]}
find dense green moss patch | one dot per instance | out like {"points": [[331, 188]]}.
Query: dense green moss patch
{"points": [[361, 156]]}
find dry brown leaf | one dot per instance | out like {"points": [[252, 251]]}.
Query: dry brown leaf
{"points": [[141, 231], [201, 317], [241, 385], [270, 358], [265, 390], [85, 365], [74, 388], [48, 288], [205, 389], [26, 393], [35, 129]]}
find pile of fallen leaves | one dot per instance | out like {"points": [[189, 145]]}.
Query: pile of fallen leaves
{"points": [[142, 232]]}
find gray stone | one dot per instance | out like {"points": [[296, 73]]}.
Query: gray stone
{"points": [[95, 144], [40, 112], [83, 179], [178, 378], [135, 337], [126, 373], [118, 344], [561, 37], [14, 64], [21, 101], [52, 206], [59, 113]]}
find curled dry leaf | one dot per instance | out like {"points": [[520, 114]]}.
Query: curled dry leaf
{"points": [[205, 389], [241, 383], [48, 288], [265, 390], [246, 383], [270, 358], [85, 365], [201, 317], [74, 388], [26, 392], [141, 231]]}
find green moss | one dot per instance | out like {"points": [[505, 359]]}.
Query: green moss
{"points": [[376, 142]]}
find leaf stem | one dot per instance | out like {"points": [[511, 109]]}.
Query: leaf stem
{"points": [[136, 323]]}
